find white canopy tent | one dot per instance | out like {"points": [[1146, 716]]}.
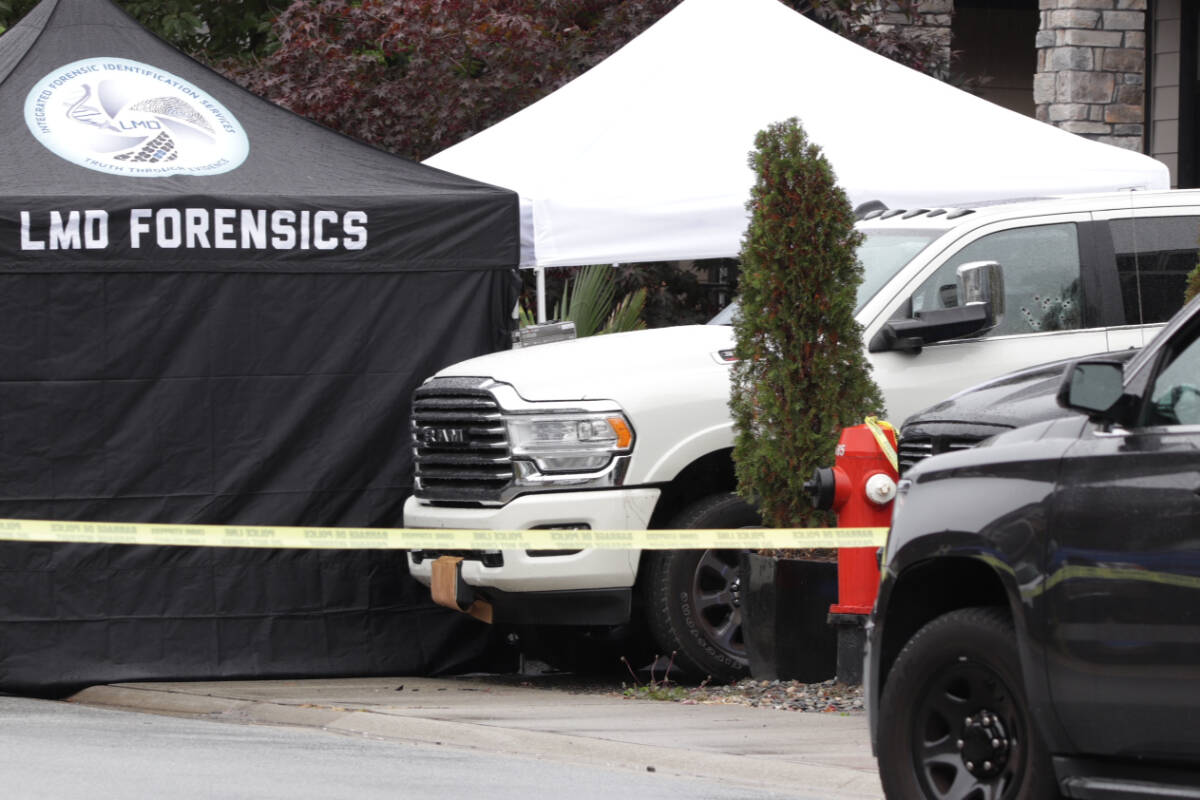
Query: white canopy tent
{"points": [[644, 157]]}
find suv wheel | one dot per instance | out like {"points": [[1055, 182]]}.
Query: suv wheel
{"points": [[693, 596], [954, 723]]}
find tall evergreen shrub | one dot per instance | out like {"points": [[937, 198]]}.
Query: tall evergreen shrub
{"points": [[1192, 287], [801, 375]]}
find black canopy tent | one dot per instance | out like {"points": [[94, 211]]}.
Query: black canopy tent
{"points": [[215, 311]]}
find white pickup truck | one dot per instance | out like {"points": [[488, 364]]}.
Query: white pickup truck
{"points": [[633, 431]]}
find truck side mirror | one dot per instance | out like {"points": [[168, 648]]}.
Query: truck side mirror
{"points": [[982, 283], [981, 294], [1095, 388]]}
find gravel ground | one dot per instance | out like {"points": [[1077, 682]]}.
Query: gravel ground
{"points": [[828, 697]]}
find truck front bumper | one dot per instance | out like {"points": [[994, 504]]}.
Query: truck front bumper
{"points": [[535, 571], [593, 587]]}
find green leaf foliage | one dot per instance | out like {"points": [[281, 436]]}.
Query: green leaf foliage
{"points": [[674, 294], [590, 301], [210, 30], [627, 315], [11, 11], [1192, 288], [802, 374]]}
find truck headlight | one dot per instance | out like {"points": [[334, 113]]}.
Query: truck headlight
{"points": [[571, 442]]}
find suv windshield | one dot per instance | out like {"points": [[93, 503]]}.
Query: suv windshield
{"points": [[883, 253]]}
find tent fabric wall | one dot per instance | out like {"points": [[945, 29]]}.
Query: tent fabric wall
{"points": [[236, 346], [75, 615], [228, 398], [644, 157]]}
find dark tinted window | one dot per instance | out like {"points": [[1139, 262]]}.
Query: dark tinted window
{"points": [[1154, 256]]}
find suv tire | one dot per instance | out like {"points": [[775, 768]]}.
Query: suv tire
{"points": [[954, 722]]}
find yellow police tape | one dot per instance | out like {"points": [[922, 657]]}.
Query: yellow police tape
{"points": [[25, 530]]}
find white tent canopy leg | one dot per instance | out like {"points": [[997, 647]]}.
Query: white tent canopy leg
{"points": [[541, 293]]}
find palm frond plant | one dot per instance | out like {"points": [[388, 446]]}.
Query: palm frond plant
{"points": [[590, 301], [627, 316]]}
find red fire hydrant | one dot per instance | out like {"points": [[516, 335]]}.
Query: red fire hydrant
{"points": [[860, 487]]}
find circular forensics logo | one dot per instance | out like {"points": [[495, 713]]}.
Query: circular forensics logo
{"points": [[126, 118]]}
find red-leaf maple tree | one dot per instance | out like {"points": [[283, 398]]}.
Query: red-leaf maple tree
{"points": [[418, 76], [415, 77]]}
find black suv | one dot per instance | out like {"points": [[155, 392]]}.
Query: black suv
{"points": [[1037, 629], [967, 418]]}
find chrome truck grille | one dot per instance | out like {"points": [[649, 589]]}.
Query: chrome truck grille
{"points": [[459, 442]]}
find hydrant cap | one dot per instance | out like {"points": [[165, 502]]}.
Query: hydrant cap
{"points": [[880, 489], [822, 487]]}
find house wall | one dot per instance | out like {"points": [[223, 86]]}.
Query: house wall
{"points": [[1091, 68], [1165, 77], [934, 22], [1124, 72]]}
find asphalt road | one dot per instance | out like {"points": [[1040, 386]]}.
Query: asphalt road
{"points": [[58, 750]]}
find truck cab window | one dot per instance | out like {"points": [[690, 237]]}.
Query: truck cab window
{"points": [[1041, 279], [1154, 256]]}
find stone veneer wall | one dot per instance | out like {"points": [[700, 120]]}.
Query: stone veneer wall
{"points": [[934, 23], [1092, 69]]}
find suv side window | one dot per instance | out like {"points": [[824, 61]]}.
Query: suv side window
{"points": [[1155, 276], [1041, 278], [1175, 398]]}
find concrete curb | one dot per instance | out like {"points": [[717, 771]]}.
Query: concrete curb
{"points": [[760, 748]]}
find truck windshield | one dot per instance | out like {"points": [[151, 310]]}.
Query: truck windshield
{"points": [[883, 253]]}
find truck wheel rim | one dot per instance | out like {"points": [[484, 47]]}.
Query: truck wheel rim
{"points": [[716, 593], [965, 735]]}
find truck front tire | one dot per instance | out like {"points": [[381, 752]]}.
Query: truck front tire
{"points": [[693, 596]]}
